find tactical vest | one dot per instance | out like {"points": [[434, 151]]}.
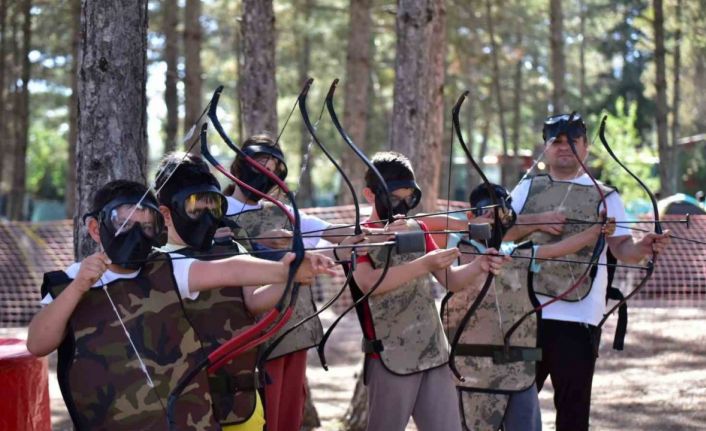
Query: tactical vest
{"points": [[491, 371], [100, 377], [409, 334], [255, 222], [576, 201], [217, 316]]}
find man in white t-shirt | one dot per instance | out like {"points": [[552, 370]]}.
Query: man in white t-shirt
{"points": [[568, 330]]}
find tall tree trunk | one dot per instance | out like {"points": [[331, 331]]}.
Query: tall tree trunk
{"points": [[556, 42], [516, 165], [3, 126], [238, 47], [192, 66], [70, 200], [12, 73], [305, 189], [171, 58], [433, 146], [19, 177], [504, 167], [356, 417], [582, 52], [112, 138], [676, 96], [413, 77], [259, 86], [665, 153], [357, 89], [699, 81]]}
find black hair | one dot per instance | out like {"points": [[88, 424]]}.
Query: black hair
{"points": [[481, 193], [393, 166], [117, 189], [188, 171]]}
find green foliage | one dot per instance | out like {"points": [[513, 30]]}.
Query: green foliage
{"points": [[624, 139], [47, 161]]}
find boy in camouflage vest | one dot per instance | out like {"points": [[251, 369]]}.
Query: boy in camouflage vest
{"points": [[285, 393], [406, 349], [500, 393], [194, 208], [122, 335]]}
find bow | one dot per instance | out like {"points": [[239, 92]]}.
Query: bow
{"points": [[301, 101], [277, 317], [494, 242], [388, 259], [657, 229]]}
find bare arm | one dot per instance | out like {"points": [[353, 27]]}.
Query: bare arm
{"points": [[439, 223], [472, 274], [259, 299], [366, 276], [627, 250], [550, 222], [48, 327], [251, 271]]}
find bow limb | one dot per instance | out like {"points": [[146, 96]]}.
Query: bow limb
{"points": [[348, 269], [301, 101], [494, 242], [657, 224], [277, 317]]}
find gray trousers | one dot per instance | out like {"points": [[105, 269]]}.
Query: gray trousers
{"points": [[429, 397], [523, 413]]}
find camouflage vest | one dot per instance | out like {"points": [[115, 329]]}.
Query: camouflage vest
{"points": [[100, 377], [544, 195], [309, 335], [490, 371], [482, 411], [406, 321], [217, 316]]}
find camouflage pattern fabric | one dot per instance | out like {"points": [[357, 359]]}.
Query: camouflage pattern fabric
{"points": [[99, 374], [546, 194], [308, 335], [506, 301], [406, 320], [217, 316], [482, 411]]}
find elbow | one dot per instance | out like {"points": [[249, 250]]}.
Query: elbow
{"points": [[35, 348]]}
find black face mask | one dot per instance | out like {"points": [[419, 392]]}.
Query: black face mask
{"points": [[198, 231], [129, 249], [256, 180], [197, 234], [383, 213], [403, 206]]}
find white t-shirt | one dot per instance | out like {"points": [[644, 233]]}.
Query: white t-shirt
{"points": [[590, 309], [181, 275], [308, 223]]}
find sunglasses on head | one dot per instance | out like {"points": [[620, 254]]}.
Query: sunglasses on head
{"points": [[570, 125]]}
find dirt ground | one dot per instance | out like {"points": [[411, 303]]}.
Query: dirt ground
{"points": [[657, 383]]}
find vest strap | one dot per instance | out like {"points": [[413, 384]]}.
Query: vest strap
{"points": [[622, 326], [227, 384], [410, 242], [372, 346], [499, 354]]}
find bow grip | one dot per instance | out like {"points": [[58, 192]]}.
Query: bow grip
{"points": [[480, 231], [410, 242]]}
